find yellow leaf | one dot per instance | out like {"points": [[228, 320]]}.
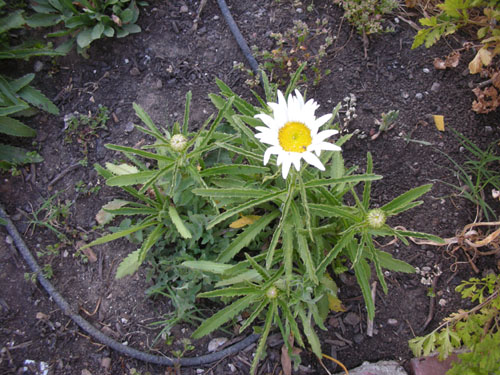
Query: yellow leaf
{"points": [[483, 57], [439, 121], [244, 221], [335, 304]]}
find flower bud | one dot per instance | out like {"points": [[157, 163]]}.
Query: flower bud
{"points": [[178, 142], [376, 218], [272, 292]]}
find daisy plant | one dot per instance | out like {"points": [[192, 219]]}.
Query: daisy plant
{"points": [[270, 184]]}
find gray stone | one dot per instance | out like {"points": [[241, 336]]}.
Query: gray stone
{"points": [[379, 368], [435, 86], [352, 318]]}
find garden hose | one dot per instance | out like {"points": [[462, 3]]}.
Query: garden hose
{"points": [[101, 337], [89, 328]]}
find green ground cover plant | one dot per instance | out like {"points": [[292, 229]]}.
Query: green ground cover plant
{"points": [[263, 232], [17, 97]]}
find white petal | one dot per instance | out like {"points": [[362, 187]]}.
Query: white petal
{"points": [[296, 160], [266, 119], [322, 120], [281, 157], [313, 160], [321, 136], [285, 168], [270, 151]]}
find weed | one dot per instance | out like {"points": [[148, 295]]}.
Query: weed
{"points": [[477, 175], [367, 16], [297, 45], [86, 189], [83, 129]]}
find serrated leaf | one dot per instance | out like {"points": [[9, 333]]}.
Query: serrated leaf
{"points": [[104, 217], [207, 266], [401, 201], [15, 127], [121, 169], [179, 223], [222, 316], [129, 265]]}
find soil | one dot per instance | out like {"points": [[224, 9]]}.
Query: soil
{"points": [[156, 68]]}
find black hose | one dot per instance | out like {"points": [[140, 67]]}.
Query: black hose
{"points": [[101, 337], [89, 328], [239, 38]]}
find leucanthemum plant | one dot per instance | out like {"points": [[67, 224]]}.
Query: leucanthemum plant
{"points": [[275, 231]]}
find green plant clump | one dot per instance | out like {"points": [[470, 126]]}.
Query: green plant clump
{"points": [[265, 238], [17, 97], [476, 330], [85, 21], [367, 15]]}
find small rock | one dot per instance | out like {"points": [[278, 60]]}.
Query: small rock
{"points": [[392, 322], [214, 344], [38, 66], [488, 129], [134, 72], [419, 96], [86, 372], [352, 318], [425, 70], [129, 127], [200, 371], [216, 18], [405, 95], [298, 10], [435, 86], [232, 367], [106, 363], [358, 338], [159, 84], [184, 9]]}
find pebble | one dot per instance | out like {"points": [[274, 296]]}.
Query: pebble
{"points": [[214, 344], [38, 66], [419, 96], [159, 84], [352, 319], [392, 322], [425, 70], [129, 127], [405, 95], [358, 338], [435, 86], [184, 9], [488, 129], [134, 71], [106, 363], [298, 10]]}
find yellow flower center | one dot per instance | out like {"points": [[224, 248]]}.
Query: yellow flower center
{"points": [[294, 137]]}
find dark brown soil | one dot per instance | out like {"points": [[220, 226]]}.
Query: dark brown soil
{"points": [[156, 69]]}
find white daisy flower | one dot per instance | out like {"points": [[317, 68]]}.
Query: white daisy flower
{"points": [[293, 134]]}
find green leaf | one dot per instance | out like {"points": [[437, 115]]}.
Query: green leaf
{"points": [[244, 238], [43, 20], [395, 206], [387, 261], [130, 179], [247, 276], [255, 314], [207, 266], [229, 292], [17, 155], [344, 179], [84, 38], [19, 83], [179, 224], [332, 254], [261, 270], [97, 31], [244, 206], [14, 20], [116, 235], [222, 316], [187, 106], [326, 210], [262, 341], [15, 127], [148, 122], [145, 154], [302, 247], [234, 169], [309, 332], [230, 193], [368, 185], [129, 265]]}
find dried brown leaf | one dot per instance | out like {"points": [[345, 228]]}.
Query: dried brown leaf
{"points": [[88, 252], [451, 61], [495, 79], [487, 100]]}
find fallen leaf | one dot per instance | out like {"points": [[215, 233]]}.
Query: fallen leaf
{"points": [[286, 361], [439, 121], [104, 217], [88, 252], [483, 57], [411, 3], [41, 316], [495, 79], [335, 304], [244, 221], [215, 343], [451, 61], [487, 100]]}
